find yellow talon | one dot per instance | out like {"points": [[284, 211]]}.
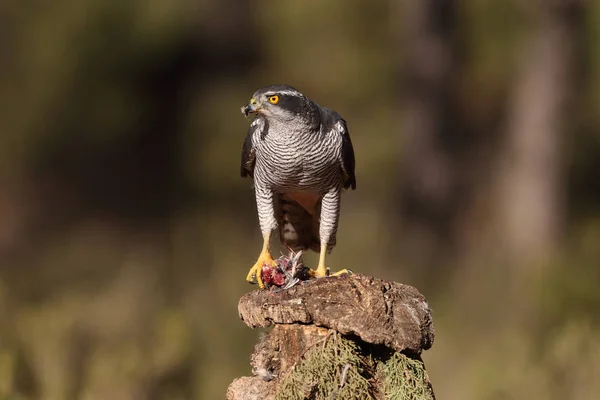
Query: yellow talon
{"points": [[322, 270], [255, 273], [317, 273]]}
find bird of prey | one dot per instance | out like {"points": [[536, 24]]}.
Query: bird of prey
{"points": [[301, 158]]}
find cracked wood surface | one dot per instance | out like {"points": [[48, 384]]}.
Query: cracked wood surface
{"points": [[376, 311]]}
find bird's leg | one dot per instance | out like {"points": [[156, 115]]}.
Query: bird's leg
{"points": [[330, 212], [264, 258], [266, 216], [322, 270]]}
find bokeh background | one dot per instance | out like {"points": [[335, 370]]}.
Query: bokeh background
{"points": [[126, 231]]}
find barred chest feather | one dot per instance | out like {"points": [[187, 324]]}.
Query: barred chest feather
{"points": [[294, 159]]}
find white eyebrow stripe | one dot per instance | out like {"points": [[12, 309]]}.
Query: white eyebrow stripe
{"points": [[284, 92]]}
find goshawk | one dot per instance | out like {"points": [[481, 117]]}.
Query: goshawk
{"points": [[301, 158]]}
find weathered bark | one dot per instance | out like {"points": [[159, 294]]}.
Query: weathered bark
{"points": [[342, 336], [378, 312]]}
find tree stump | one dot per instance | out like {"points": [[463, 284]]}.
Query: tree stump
{"points": [[346, 337]]}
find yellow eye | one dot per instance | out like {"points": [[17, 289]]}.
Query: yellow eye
{"points": [[274, 99]]}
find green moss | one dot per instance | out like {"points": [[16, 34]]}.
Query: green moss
{"points": [[318, 375], [404, 378]]}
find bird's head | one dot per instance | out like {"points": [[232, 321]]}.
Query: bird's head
{"points": [[277, 102]]}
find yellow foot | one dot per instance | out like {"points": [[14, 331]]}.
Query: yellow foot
{"points": [[255, 273], [324, 271]]}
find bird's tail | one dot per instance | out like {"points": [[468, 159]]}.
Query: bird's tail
{"points": [[298, 229]]}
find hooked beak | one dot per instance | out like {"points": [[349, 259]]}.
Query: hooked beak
{"points": [[251, 108]]}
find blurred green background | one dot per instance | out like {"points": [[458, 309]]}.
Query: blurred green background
{"points": [[126, 232]]}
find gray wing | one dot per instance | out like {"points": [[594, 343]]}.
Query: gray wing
{"points": [[347, 156], [248, 151]]}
